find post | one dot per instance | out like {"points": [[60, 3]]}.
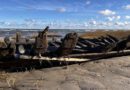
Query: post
{"points": [[68, 44], [18, 37], [41, 42]]}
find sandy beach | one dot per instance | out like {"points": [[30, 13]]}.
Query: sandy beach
{"points": [[105, 74]]}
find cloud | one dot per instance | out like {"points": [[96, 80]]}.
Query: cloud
{"points": [[92, 22], [122, 24], [118, 17], [107, 12], [127, 17], [111, 18], [119, 23], [67, 24], [127, 7], [30, 22], [10, 24], [126, 23], [88, 2], [61, 10]]}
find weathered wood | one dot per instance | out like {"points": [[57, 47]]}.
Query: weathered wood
{"points": [[41, 42], [53, 44], [100, 55], [121, 45], [112, 38], [87, 42], [52, 59], [7, 40], [68, 44], [18, 37], [81, 44], [10, 50], [75, 51], [104, 40]]}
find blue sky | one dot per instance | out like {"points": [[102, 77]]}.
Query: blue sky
{"points": [[68, 14]]}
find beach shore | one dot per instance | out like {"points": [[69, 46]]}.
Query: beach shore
{"points": [[105, 74]]}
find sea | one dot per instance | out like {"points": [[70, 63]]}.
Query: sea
{"points": [[29, 32]]}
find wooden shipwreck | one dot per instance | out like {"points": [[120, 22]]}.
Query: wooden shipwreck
{"points": [[23, 52]]}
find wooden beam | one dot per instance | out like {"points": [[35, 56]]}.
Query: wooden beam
{"points": [[52, 59], [100, 55]]}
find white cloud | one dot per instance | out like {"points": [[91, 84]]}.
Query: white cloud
{"points": [[111, 18], [126, 23], [119, 23], [93, 22], [68, 24], [107, 12], [118, 17], [127, 6], [127, 17], [61, 9], [122, 23], [88, 2]]}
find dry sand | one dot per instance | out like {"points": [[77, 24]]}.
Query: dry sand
{"points": [[105, 74]]}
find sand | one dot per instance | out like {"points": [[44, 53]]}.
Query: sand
{"points": [[105, 74]]}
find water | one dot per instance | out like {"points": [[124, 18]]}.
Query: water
{"points": [[29, 32]]}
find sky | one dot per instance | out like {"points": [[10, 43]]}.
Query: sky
{"points": [[65, 14]]}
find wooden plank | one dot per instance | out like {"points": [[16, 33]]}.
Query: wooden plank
{"points": [[78, 57], [98, 55], [52, 59]]}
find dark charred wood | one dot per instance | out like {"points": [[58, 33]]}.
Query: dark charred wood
{"points": [[81, 44], [104, 40], [99, 55], [58, 42], [113, 38], [53, 44], [109, 48], [76, 51], [87, 42], [121, 45], [110, 39]]}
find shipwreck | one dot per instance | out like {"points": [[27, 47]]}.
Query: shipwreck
{"points": [[21, 52]]}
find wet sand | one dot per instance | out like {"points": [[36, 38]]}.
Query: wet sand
{"points": [[105, 74]]}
